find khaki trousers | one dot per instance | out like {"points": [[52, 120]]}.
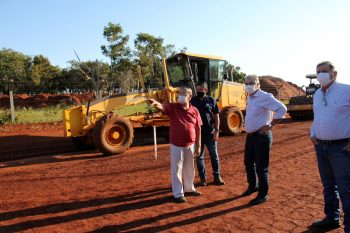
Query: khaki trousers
{"points": [[181, 161]]}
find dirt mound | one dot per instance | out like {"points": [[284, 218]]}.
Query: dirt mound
{"points": [[44, 100], [279, 88]]}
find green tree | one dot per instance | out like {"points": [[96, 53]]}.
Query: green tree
{"points": [[14, 65], [170, 50], [42, 73], [90, 75], [234, 73], [120, 57], [150, 51]]}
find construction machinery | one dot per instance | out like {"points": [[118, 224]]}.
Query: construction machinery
{"points": [[300, 107], [98, 124]]}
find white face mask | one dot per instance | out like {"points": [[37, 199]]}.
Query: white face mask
{"points": [[250, 89], [182, 99], [324, 78]]}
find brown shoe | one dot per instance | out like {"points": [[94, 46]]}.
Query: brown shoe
{"points": [[194, 193], [180, 199], [218, 181]]}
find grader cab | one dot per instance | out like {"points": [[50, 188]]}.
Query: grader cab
{"points": [[98, 124]]}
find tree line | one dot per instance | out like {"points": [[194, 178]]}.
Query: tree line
{"points": [[36, 74]]}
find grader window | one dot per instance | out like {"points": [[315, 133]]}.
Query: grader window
{"points": [[176, 74], [216, 69]]}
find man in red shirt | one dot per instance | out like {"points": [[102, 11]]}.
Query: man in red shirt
{"points": [[185, 139]]}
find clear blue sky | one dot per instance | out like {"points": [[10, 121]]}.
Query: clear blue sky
{"points": [[266, 37]]}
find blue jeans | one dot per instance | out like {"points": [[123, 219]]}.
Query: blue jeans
{"points": [[214, 157], [256, 161], [334, 167]]}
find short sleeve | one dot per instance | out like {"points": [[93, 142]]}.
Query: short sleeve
{"points": [[216, 109], [199, 119]]}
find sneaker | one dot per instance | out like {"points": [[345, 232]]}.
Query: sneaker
{"points": [[203, 182], [194, 193], [180, 199], [218, 181]]}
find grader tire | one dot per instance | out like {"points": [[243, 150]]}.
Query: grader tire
{"points": [[231, 121], [83, 143], [113, 135]]}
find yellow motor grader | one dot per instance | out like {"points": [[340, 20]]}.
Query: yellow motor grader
{"points": [[98, 124]]}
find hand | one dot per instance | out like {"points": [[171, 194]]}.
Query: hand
{"points": [[347, 147], [197, 151], [215, 135], [313, 140], [265, 129], [152, 101]]}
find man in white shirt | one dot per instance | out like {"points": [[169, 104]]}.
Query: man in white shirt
{"points": [[330, 134], [259, 122]]}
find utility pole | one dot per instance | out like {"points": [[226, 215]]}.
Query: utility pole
{"points": [[12, 106]]}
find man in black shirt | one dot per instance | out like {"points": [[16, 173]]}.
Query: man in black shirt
{"points": [[209, 112]]}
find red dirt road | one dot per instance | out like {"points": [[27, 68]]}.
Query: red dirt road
{"points": [[66, 191]]}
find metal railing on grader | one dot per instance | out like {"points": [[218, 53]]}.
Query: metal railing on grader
{"points": [[98, 124]]}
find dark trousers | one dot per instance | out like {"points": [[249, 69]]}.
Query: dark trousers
{"points": [[256, 161], [214, 158], [334, 167]]}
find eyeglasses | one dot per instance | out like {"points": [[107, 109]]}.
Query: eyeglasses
{"points": [[250, 83]]}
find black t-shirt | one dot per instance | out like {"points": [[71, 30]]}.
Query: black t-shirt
{"points": [[206, 107]]}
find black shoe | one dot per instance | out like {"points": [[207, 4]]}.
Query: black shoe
{"points": [[250, 191], [218, 181], [180, 199], [203, 182], [194, 193], [258, 200], [326, 224]]}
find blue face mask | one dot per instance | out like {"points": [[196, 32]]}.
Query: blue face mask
{"points": [[182, 99], [250, 89], [324, 78]]}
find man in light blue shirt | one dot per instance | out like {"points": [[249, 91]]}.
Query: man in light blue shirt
{"points": [[259, 121], [330, 134]]}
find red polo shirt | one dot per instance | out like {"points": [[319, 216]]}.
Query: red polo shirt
{"points": [[182, 124]]}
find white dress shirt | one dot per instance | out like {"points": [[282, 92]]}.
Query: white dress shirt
{"points": [[332, 113], [259, 110]]}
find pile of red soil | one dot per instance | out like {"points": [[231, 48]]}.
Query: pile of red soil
{"points": [[281, 89], [44, 100]]}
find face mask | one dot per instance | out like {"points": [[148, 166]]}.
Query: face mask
{"points": [[250, 89], [200, 94], [182, 99], [323, 78]]}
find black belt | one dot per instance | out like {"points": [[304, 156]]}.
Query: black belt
{"points": [[332, 142], [254, 133]]}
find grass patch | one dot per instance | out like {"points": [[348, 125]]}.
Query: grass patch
{"points": [[32, 115], [52, 114], [140, 108]]}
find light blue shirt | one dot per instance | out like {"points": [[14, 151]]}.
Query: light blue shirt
{"points": [[259, 110], [332, 113]]}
